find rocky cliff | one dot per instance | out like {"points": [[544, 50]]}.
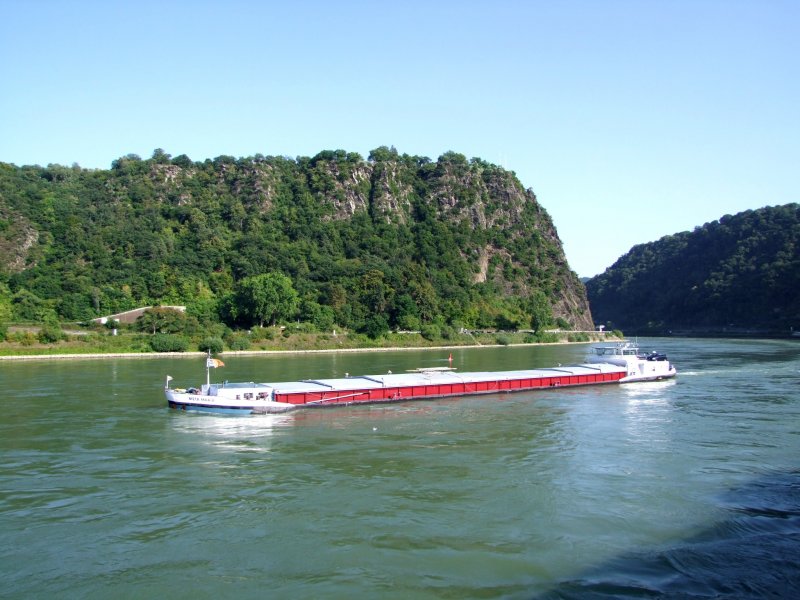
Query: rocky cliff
{"points": [[462, 236]]}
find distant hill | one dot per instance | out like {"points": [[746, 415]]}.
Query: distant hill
{"points": [[392, 240], [738, 274]]}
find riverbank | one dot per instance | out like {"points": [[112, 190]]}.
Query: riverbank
{"points": [[138, 345], [101, 355]]}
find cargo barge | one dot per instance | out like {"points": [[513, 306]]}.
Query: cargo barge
{"points": [[619, 363]]}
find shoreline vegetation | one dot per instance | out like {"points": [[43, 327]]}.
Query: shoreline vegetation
{"points": [[26, 345]]}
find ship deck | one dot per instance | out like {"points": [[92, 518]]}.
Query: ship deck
{"points": [[437, 383]]}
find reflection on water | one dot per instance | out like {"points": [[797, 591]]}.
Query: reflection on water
{"points": [[647, 389], [250, 434], [229, 426]]}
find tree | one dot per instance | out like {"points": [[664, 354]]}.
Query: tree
{"points": [[162, 320], [322, 317], [353, 235], [406, 313], [267, 298], [27, 306], [540, 310], [5, 302], [160, 156], [375, 326], [383, 154], [182, 161], [373, 291]]}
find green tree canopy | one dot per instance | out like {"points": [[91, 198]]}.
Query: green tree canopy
{"points": [[160, 319], [412, 240], [270, 297], [740, 272], [540, 310]]}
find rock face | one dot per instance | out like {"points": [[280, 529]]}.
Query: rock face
{"points": [[518, 234], [18, 238], [467, 222]]}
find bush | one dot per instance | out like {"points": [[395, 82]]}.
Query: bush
{"points": [[578, 337], [545, 337], [3, 332], [409, 323], [238, 341], [503, 340], [431, 331], [259, 334], [50, 334], [304, 327], [166, 342], [448, 332], [23, 338], [211, 344]]}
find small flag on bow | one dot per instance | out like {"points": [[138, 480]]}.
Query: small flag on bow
{"points": [[213, 363]]}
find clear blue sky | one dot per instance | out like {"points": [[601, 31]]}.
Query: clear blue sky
{"points": [[629, 119]]}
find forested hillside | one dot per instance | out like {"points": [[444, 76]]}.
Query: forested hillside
{"points": [[741, 273], [393, 241]]}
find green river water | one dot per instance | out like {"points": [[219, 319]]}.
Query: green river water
{"points": [[684, 488]]}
